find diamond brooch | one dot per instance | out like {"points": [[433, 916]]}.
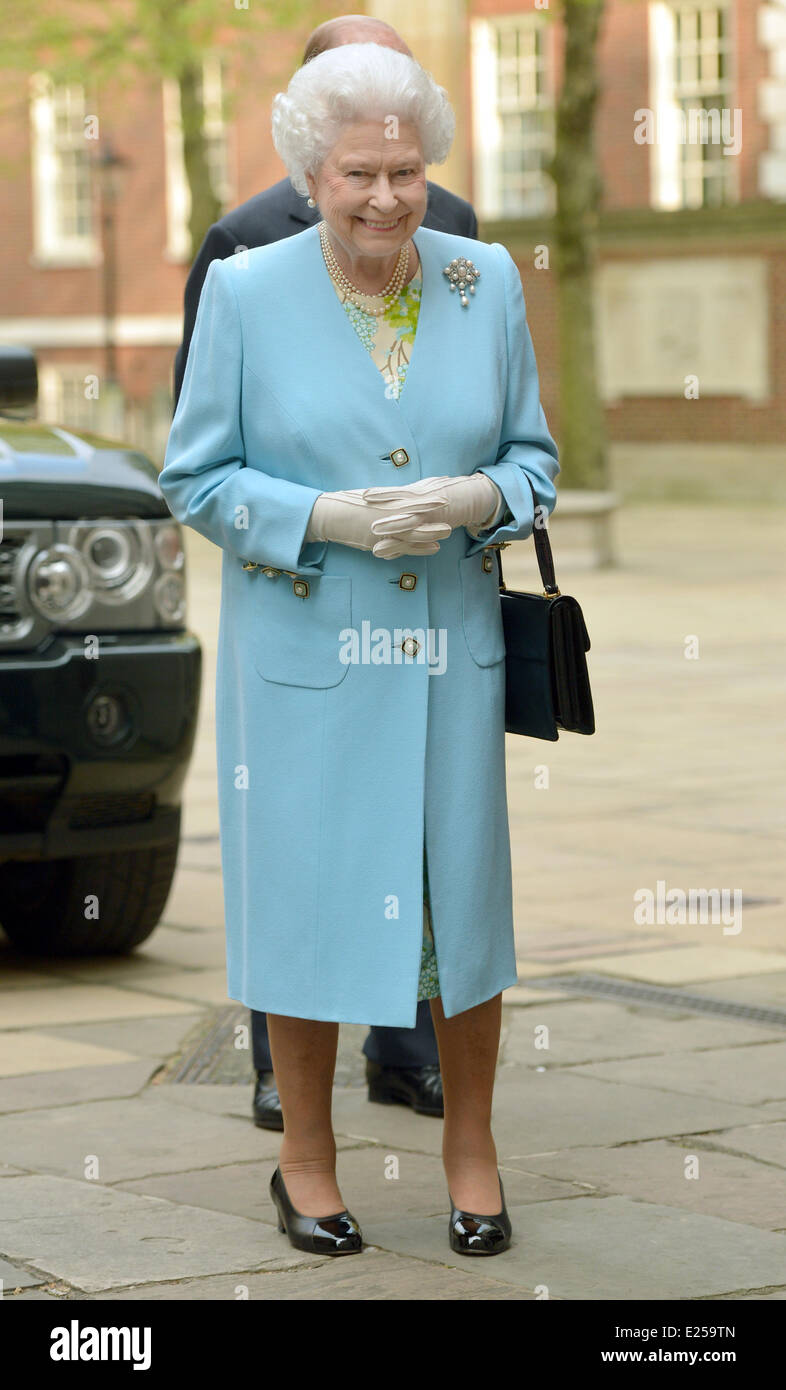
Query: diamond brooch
{"points": [[462, 275]]}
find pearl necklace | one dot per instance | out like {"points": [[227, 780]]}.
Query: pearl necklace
{"points": [[392, 289]]}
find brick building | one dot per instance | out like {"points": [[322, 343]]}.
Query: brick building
{"points": [[691, 139]]}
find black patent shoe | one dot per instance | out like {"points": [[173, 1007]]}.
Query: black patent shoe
{"points": [[418, 1087], [266, 1105], [471, 1234], [319, 1235]]}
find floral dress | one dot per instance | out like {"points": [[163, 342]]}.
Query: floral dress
{"points": [[388, 338]]}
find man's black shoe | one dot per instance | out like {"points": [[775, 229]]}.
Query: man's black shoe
{"points": [[418, 1087], [267, 1106]]}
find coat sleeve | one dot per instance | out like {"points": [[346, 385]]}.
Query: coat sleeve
{"points": [[525, 444], [206, 479]]}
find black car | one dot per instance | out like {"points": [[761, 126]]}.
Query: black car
{"points": [[99, 683]]}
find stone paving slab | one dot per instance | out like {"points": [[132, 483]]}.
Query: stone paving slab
{"points": [[747, 1075], [519, 996], [28, 1051], [233, 1101], [15, 974], [64, 1088], [207, 986], [584, 1030], [536, 1111], [763, 991], [132, 1138], [14, 1277], [728, 1185], [684, 966], [610, 1248], [97, 1238], [372, 1276], [419, 1189], [157, 1037], [73, 1003], [765, 1142], [776, 1295], [395, 1126], [196, 897]]}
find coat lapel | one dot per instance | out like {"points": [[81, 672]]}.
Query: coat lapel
{"points": [[439, 330]]}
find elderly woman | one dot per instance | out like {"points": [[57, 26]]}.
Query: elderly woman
{"points": [[358, 430]]}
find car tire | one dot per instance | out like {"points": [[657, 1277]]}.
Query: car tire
{"points": [[43, 903]]}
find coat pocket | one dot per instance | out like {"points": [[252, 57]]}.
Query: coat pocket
{"points": [[481, 610], [297, 641]]}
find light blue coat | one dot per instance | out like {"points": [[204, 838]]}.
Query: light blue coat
{"points": [[329, 771]]}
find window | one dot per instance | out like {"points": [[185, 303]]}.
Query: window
{"points": [[692, 92], [513, 116], [62, 394], [178, 194], [63, 216]]}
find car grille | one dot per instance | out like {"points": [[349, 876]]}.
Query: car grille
{"points": [[118, 809], [10, 616]]}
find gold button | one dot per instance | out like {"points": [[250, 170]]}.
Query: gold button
{"points": [[271, 572], [488, 563], [250, 565], [399, 457], [407, 581], [410, 646], [300, 588]]}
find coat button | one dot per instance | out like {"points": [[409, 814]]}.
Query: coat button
{"points": [[410, 646], [407, 581], [271, 572], [399, 457], [300, 588], [488, 563], [250, 565]]}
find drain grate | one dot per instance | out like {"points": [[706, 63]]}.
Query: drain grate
{"points": [[657, 995], [208, 1055]]}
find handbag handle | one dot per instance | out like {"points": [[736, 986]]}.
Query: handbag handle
{"points": [[543, 553]]}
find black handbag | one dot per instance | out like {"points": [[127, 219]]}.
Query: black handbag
{"points": [[546, 641]]}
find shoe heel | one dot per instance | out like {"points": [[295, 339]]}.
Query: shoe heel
{"points": [[281, 1227]]}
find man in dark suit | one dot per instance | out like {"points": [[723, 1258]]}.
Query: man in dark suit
{"points": [[402, 1064]]}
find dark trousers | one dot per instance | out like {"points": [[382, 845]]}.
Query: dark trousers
{"points": [[391, 1047]]}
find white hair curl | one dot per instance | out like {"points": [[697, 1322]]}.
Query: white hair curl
{"points": [[349, 84]]}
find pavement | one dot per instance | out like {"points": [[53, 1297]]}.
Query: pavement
{"points": [[640, 1106]]}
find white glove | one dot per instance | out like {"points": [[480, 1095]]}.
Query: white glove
{"points": [[473, 500], [412, 524]]}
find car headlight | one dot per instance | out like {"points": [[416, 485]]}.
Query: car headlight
{"points": [[169, 594], [169, 547], [59, 583], [106, 574], [119, 559]]}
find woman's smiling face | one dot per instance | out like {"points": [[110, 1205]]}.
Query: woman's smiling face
{"points": [[371, 189]]}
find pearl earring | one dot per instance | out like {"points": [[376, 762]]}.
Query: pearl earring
{"points": [[311, 203]]}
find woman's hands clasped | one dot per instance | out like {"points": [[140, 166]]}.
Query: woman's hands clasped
{"points": [[473, 500], [407, 520], [410, 526]]}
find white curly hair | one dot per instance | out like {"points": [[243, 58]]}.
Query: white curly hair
{"points": [[349, 84]]}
